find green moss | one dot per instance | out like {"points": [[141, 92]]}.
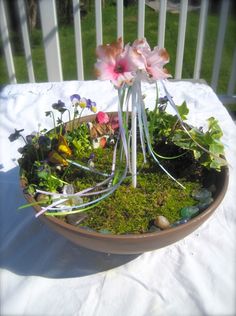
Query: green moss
{"points": [[131, 210]]}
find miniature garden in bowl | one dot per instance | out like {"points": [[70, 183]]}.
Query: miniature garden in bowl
{"points": [[129, 181]]}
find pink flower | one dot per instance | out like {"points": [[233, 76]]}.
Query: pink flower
{"points": [[142, 47], [155, 59], [115, 122], [122, 65], [109, 51], [118, 64], [102, 118]]}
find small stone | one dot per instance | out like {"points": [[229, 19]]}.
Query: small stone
{"points": [[87, 228], [68, 189], [204, 204], [76, 218], [212, 188], [105, 231], [189, 211], [43, 199], [180, 222], [154, 229], [201, 195], [162, 222], [91, 164]]}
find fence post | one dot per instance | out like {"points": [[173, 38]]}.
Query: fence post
{"points": [[6, 44]]}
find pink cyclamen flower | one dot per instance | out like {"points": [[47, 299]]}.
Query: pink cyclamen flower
{"points": [[142, 47], [155, 59], [102, 118], [118, 64]]}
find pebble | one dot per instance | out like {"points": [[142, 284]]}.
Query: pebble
{"points": [[204, 204], [105, 231], [154, 229], [161, 222], [212, 188], [90, 163], [76, 218], [189, 211], [42, 198], [68, 189], [87, 228], [180, 222], [201, 195]]}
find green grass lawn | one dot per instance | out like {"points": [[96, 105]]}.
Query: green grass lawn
{"points": [[66, 34]]}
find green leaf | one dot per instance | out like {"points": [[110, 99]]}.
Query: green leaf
{"points": [[43, 174], [214, 128], [217, 148], [183, 111]]}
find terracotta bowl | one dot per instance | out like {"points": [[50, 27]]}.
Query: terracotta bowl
{"points": [[134, 243]]}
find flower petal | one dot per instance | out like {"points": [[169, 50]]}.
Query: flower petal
{"points": [[142, 47], [109, 51], [102, 118]]}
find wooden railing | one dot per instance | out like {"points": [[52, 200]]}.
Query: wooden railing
{"points": [[48, 17]]}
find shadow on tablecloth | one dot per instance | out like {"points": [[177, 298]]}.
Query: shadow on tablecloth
{"points": [[30, 248]]}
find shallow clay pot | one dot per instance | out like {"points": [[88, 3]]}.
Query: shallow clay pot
{"points": [[133, 243]]}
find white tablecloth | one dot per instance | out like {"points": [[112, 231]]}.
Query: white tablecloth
{"points": [[44, 274]]}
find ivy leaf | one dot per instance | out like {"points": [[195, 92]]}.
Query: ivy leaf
{"points": [[183, 111], [43, 174], [214, 128], [216, 148]]}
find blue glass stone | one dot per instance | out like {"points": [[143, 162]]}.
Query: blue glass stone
{"points": [[76, 218], [204, 204], [201, 195], [154, 229], [180, 222], [87, 228], [189, 211], [105, 231]]}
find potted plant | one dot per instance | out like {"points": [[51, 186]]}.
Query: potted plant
{"points": [[115, 182]]}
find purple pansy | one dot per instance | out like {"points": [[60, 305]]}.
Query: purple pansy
{"points": [[75, 99], [92, 106], [60, 106]]}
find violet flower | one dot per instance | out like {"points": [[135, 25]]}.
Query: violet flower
{"points": [[44, 142], [59, 106], [75, 98], [91, 106], [14, 136]]}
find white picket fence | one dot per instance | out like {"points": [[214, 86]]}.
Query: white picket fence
{"points": [[49, 25]]}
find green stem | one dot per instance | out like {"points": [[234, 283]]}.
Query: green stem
{"points": [[37, 154], [65, 172], [74, 115], [71, 212], [41, 152], [156, 104], [54, 123], [61, 125], [172, 157], [30, 204], [69, 115], [59, 179], [80, 114], [23, 139]]}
